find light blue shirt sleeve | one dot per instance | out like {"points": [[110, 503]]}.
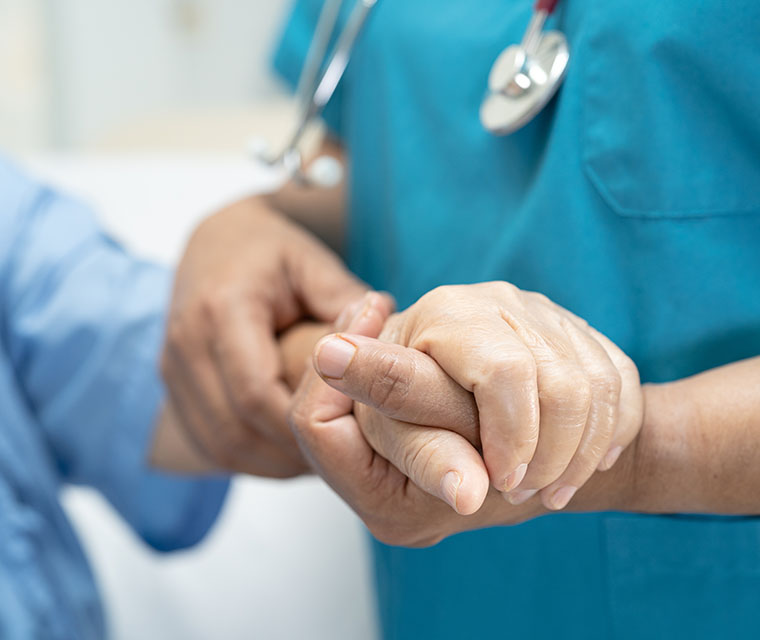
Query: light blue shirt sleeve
{"points": [[83, 321]]}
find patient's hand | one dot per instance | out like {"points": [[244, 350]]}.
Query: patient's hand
{"points": [[444, 463], [557, 400], [175, 451]]}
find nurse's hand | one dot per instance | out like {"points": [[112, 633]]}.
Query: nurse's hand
{"points": [[248, 274], [352, 451], [556, 399]]}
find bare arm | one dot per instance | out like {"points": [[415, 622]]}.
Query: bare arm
{"points": [[698, 451]]}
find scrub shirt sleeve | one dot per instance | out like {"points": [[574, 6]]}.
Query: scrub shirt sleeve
{"points": [[82, 321], [290, 55]]}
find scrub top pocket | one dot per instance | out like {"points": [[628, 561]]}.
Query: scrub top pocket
{"points": [[671, 106]]}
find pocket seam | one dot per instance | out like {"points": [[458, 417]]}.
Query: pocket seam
{"points": [[656, 214]]}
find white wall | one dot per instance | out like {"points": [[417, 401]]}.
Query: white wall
{"points": [[24, 80], [88, 67]]}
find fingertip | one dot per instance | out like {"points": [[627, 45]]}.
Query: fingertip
{"points": [[610, 459], [507, 465], [388, 300], [514, 479], [332, 356], [472, 492], [371, 316], [347, 315], [516, 498], [558, 499]]}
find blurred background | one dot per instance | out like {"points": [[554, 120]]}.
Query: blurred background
{"points": [[144, 108], [136, 74]]}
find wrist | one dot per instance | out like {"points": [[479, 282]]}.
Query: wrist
{"points": [[652, 478], [635, 481]]}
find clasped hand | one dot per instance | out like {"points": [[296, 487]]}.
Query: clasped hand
{"points": [[474, 394]]}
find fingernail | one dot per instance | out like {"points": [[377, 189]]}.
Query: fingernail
{"points": [[347, 315], [364, 306], [334, 357], [450, 487], [562, 497], [516, 477], [611, 458], [518, 497]]}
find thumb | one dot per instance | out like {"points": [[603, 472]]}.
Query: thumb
{"points": [[322, 418], [440, 462], [400, 382]]}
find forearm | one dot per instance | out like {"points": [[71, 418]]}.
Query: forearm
{"points": [[172, 449], [698, 451]]}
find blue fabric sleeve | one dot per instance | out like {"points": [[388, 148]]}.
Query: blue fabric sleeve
{"points": [[83, 324], [290, 55]]}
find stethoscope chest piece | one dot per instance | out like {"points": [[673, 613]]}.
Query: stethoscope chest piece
{"points": [[524, 78]]}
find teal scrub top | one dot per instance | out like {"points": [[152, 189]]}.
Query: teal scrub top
{"points": [[634, 201]]}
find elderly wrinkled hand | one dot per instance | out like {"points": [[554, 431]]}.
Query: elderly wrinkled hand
{"points": [[368, 458], [546, 398]]}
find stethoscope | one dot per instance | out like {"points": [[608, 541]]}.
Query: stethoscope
{"points": [[522, 81]]}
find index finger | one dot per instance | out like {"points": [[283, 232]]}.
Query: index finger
{"points": [[495, 365]]}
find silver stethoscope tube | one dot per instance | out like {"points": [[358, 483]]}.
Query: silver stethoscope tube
{"points": [[314, 95], [523, 79]]}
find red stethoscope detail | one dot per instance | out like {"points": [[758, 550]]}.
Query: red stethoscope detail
{"points": [[547, 5]]}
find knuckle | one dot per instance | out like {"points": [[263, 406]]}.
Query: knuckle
{"points": [[395, 328], [250, 398], [539, 298], [525, 363], [503, 288], [628, 368], [606, 381], [610, 385], [213, 305], [299, 417], [389, 388], [416, 462], [436, 297], [566, 386], [504, 370]]}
